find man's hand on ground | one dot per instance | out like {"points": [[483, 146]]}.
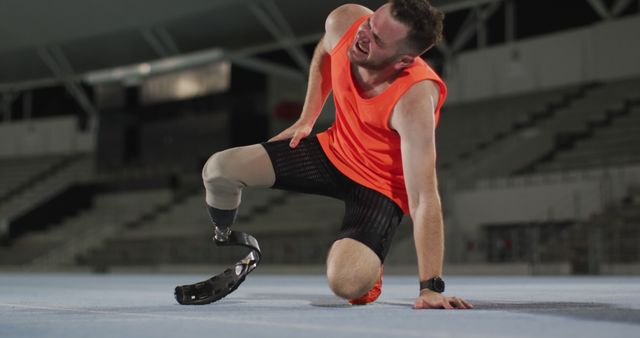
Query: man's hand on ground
{"points": [[433, 300]]}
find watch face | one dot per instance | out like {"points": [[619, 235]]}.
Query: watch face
{"points": [[434, 284], [438, 284]]}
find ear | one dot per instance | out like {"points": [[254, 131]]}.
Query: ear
{"points": [[404, 62]]}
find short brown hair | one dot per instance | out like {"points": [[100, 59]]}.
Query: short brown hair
{"points": [[424, 21]]}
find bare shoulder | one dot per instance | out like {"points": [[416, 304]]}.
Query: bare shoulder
{"points": [[339, 20], [418, 102]]}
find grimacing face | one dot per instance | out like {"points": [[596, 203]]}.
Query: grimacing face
{"points": [[378, 40]]}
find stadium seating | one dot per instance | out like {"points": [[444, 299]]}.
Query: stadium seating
{"points": [[529, 145], [35, 180], [15, 173], [536, 136], [292, 228], [467, 127], [110, 215], [614, 144]]}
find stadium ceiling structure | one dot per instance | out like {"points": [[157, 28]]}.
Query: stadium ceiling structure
{"points": [[75, 42]]}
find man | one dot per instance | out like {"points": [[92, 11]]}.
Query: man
{"points": [[378, 156]]}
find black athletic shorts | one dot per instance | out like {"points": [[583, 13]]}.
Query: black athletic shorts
{"points": [[370, 217]]}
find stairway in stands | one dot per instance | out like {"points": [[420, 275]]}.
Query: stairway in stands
{"points": [[612, 141], [290, 227], [58, 245], [521, 150], [29, 182], [469, 128]]}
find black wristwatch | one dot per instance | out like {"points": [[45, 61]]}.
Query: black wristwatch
{"points": [[435, 284]]}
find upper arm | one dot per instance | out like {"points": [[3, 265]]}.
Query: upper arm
{"points": [[339, 20], [414, 120]]}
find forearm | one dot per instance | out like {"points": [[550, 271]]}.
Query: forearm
{"points": [[428, 235], [319, 85]]}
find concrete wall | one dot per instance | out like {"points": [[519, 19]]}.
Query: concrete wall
{"points": [[603, 52], [43, 136]]}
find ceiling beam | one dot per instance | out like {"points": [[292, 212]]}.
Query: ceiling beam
{"points": [[60, 66], [159, 33], [463, 5], [135, 73], [465, 32], [156, 67], [471, 24], [29, 84], [272, 19], [278, 45], [154, 42], [600, 8], [160, 41], [100, 75], [266, 67], [167, 40], [619, 6]]}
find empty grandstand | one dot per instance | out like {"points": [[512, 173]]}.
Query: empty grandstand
{"points": [[103, 137]]}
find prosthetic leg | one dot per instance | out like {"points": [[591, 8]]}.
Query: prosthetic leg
{"points": [[224, 176], [220, 285]]}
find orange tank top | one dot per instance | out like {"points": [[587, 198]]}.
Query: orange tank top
{"points": [[360, 143]]}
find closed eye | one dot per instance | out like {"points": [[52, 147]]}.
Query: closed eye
{"points": [[376, 37]]}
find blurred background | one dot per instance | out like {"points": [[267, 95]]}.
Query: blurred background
{"points": [[108, 110]]}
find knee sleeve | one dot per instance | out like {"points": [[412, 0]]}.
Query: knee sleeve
{"points": [[227, 172], [223, 189]]}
